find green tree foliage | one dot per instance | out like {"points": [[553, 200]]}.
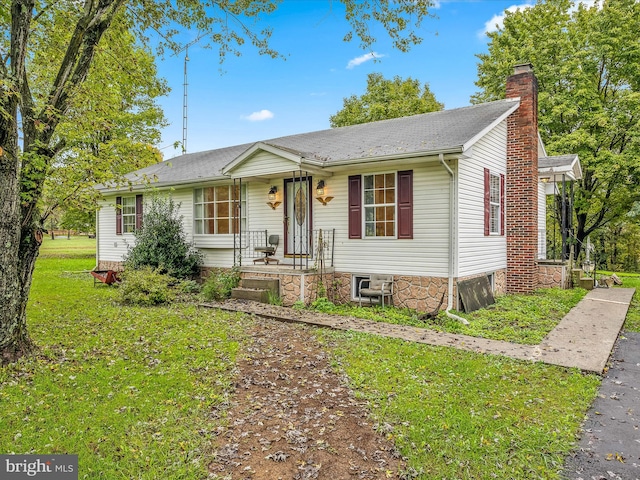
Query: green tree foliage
{"points": [[386, 99], [161, 242], [113, 118], [79, 220], [51, 103], [587, 61]]}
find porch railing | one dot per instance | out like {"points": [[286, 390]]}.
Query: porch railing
{"points": [[245, 243], [319, 253]]}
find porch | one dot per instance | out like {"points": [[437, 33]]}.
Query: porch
{"points": [[307, 251]]}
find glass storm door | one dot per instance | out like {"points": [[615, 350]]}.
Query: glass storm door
{"points": [[297, 216]]}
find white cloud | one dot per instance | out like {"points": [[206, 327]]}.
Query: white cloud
{"points": [[259, 116], [363, 58], [497, 21]]}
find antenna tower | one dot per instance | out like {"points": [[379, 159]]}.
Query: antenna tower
{"points": [[184, 103]]}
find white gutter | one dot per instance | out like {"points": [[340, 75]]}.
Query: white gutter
{"points": [[452, 250], [97, 239]]}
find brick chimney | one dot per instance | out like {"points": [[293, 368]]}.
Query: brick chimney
{"points": [[522, 182]]}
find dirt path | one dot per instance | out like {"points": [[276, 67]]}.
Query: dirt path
{"points": [[292, 417]]}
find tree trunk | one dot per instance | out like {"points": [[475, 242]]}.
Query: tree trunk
{"points": [[14, 339]]}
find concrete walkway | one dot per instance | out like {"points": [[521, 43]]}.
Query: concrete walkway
{"points": [[583, 339]]}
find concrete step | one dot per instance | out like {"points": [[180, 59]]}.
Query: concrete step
{"points": [[587, 283], [259, 283], [257, 295]]}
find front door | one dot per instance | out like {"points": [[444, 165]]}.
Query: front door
{"points": [[297, 216]]}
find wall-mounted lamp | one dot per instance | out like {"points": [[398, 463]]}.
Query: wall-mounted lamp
{"points": [[545, 179], [273, 195], [321, 193]]}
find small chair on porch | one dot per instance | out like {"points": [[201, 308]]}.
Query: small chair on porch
{"points": [[377, 286], [268, 250]]}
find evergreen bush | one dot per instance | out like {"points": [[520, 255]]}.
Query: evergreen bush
{"points": [[161, 242]]}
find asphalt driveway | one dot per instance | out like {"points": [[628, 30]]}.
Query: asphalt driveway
{"points": [[610, 444]]}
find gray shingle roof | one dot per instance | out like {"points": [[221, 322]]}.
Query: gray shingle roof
{"points": [[556, 161], [446, 130]]}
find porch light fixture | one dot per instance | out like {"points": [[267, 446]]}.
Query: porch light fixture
{"points": [[273, 194], [320, 193]]}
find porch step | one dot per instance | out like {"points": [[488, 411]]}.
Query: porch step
{"points": [[256, 295], [587, 283], [270, 284], [256, 289]]}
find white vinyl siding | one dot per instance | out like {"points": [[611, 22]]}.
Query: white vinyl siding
{"points": [[426, 254], [478, 253], [264, 163], [111, 247], [542, 221]]}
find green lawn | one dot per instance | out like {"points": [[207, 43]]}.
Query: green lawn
{"points": [[64, 247], [461, 415], [139, 392], [524, 319], [632, 322], [131, 390]]}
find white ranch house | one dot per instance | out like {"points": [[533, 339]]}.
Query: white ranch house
{"points": [[430, 199]]}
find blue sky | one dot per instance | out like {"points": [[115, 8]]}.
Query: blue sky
{"points": [[256, 98]]}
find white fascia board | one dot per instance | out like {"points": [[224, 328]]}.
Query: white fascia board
{"points": [[542, 152], [162, 185], [576, 165], [390, 158]]}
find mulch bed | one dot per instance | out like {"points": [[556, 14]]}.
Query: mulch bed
{"points": [[293, 417]]}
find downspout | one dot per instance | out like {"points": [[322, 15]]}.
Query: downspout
{"points": [[452, 250], [97, 239]]}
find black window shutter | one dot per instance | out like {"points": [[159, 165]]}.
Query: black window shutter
{"points": [[118, 215], [405, 204], [355, 206]]}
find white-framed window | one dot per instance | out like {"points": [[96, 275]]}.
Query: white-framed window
{"points": [[217, 209], [491, 277], [379, 205], [356, 279], [128, 214], [494, 204]]}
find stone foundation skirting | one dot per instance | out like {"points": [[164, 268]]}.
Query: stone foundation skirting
{"points": [[424, 294], [421, 293], [110, 265], [553, 275], [294, 287]]}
